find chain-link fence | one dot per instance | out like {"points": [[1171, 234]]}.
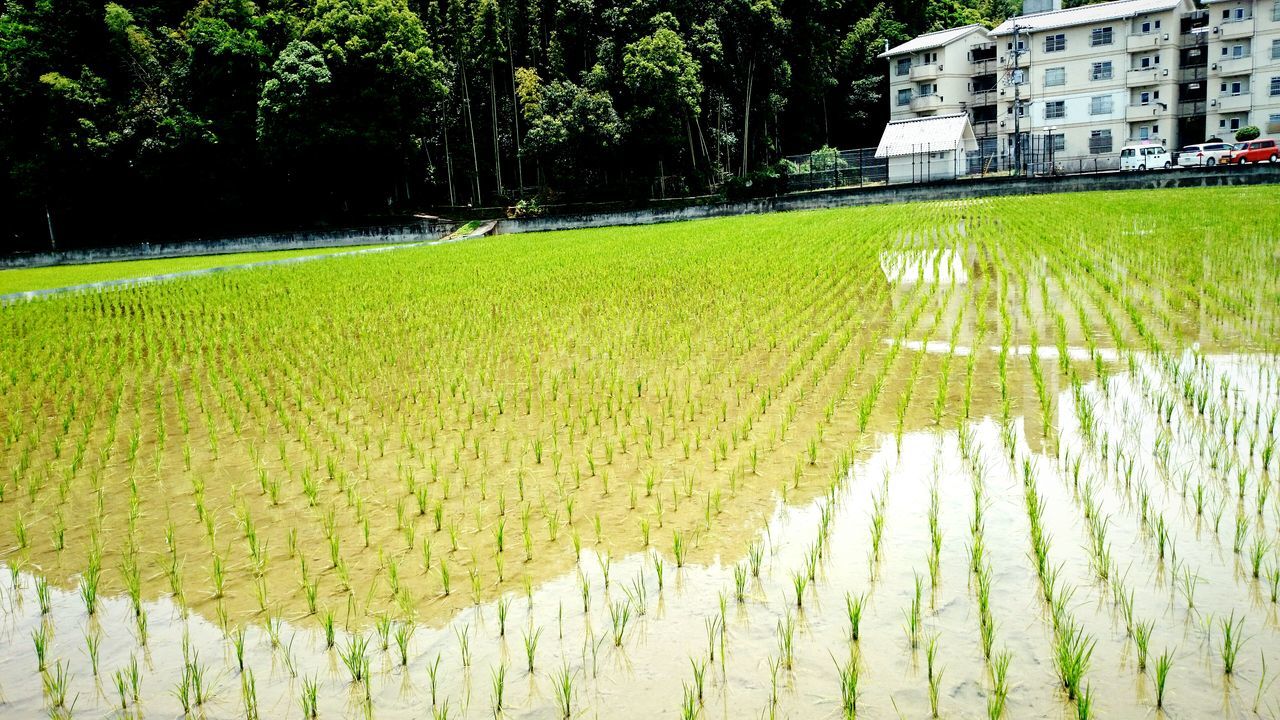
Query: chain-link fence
{"points": [[831, 168], [1041, 155]]}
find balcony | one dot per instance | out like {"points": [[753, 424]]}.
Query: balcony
{"points": [[925, 103], [984, 97], [1137, 139], [1234, 103], [1137, 77], [983, 67], [925, 72], [1143, 43], [1232, 66], [1236, 29], [1138, 111]]}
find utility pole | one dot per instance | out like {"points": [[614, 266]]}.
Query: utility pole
{"points": [[1017, 99]]}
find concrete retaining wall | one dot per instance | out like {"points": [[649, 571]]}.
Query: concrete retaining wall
{"points": [[953, 190], [373, 235]]}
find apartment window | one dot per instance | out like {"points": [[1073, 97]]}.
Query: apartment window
{"points": [[1058, 142], [904, 96], [1100, 141], [1148, 26], [1233, 15], [1101, 36], [1144, 133], [1275, 11], [1144, 98], [1234, 52], [1100, 70], [1145, 63], [1275, 86], [1056, 109], [927, 89], [1058, 76], [1233, 88], [1273, 121], [1232, 124], [1100, 105], [1275, 44], [1055, 43], [904, 66]]}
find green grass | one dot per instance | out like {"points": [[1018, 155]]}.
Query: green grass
{"points": [[57, 276]]}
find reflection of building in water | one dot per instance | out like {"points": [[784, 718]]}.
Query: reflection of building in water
{"points": [[942, 266]]}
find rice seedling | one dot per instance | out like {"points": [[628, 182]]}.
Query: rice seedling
{"points": [[56, 683], [619, 616], [562, 683], [799, 581], [40, 639], [498, 683], [1073, 651], [310, 700], [853, 609], [848, 675], [1141, 640], [1232, 638], [1163, 664], [355, 658], [531, 637], [934, 674], [786, 640]]}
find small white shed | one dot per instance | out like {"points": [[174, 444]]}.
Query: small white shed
{"points": [[927, 148]]}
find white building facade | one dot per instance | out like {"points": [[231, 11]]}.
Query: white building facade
{"points": [[1088, 80]]}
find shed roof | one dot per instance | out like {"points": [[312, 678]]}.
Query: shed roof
{"points": [[928, 41], [1084, 15], [937, 133]]}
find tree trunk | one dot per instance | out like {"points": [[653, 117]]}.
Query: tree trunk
{"points": [[471, 127], [48, 218], [493, 105], [746, 116], [515, 117], [448, 165]]}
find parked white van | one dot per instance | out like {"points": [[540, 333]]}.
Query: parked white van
{"points": [[1145, 157], [1206, 154]]}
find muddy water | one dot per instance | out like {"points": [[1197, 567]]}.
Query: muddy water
{"points": [[646, 675]]}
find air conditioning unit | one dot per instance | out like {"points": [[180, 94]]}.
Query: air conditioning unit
{"points": [[1215, 29], [1213, 103], [1213, 66], [939, 68], [1002, 123], [1166, 37], [1165, 72]]}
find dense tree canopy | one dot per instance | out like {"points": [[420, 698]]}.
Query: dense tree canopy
{"points": [[144, 119]]}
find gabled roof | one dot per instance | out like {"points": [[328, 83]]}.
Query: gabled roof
{"points": [[937, 133], [1084, 15], [928, 41]]}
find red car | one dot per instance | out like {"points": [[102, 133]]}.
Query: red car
{"points": [[1255, 151]]}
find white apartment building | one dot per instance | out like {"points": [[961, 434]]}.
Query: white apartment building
{"points": [[1243, 83], [1094, 78]]}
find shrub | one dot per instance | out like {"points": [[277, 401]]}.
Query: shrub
{"points": [[1247, 133]]}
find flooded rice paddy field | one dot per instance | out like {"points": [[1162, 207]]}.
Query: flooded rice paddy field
{"points": [[1005, 458]]}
